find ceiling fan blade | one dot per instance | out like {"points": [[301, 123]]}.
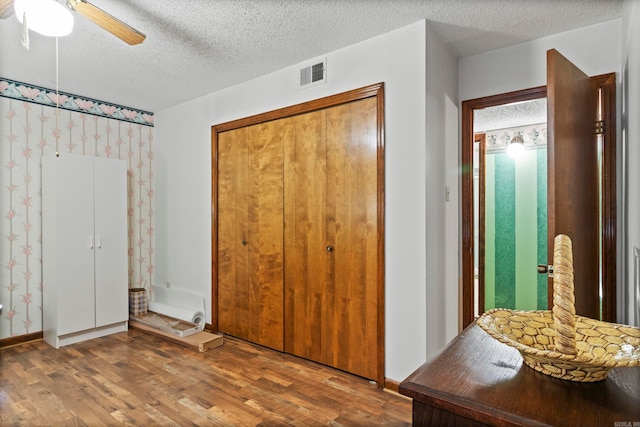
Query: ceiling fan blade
{"points": [[123, 31], [6, 8]]}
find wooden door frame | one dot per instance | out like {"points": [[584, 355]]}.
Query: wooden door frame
{"points": [[375, 90], [481, 139], [607, 83]]}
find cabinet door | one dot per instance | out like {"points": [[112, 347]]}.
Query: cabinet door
{"points": [[250, 258], [74, 235], [111, 281]]}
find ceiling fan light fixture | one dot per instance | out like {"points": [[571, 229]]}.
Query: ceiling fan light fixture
{"points": [[47, 17]]}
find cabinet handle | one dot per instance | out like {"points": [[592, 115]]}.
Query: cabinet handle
{"points": [[90, 242], [244, 243], [98, 242], [329, 248]]}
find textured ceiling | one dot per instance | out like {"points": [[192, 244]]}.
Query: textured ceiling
{"points": [[510, 115], [195, 47]]}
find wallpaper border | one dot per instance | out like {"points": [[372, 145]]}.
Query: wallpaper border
{"points": [[67, 101]]}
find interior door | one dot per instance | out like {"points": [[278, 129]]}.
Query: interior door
{"points": [[573, 191]]}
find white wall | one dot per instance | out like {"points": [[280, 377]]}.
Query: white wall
{"points": [[442, 210], [183, 177], [594, 49], [630, 112]]}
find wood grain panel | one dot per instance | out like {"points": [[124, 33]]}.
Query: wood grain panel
{"points": [[351, 306], [265, 232], [233, 176], [250, 233], [331, 242], [573, 192], [305, 237]]}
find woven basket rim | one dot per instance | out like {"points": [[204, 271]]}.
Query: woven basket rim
{"points": [[593, 360]]}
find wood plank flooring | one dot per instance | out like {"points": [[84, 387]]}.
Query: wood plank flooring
{"points": [[135, 378]]}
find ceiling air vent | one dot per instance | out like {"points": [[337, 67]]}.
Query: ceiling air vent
{"points": [[313, 74]]}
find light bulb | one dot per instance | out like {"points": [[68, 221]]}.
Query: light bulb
{"points": [[515, 149]]}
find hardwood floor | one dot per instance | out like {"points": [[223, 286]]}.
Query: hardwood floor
{"points": [[135, 378]]}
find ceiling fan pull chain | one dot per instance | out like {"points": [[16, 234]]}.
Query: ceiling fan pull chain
{"points": [[25, 31]]}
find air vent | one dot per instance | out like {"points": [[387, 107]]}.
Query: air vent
{"points": [[313, 74]]}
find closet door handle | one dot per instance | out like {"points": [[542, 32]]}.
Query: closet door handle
{"points": [[329, 248], [98, 242], [90, 242]]}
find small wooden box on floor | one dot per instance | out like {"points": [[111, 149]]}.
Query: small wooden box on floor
{"points": [[201, 341], [171, 325]]}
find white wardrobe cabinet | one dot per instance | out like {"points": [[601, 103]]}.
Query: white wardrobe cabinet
{"points": [[84, 243]]}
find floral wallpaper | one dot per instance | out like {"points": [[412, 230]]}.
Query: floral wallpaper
{"points": [[534, 136], [34, 122]]}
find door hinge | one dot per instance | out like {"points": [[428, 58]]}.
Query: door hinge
{"points": [[599, 127]]}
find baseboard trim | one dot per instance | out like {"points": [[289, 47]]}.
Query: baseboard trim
{"points": [[20, 339], [391, 385]]}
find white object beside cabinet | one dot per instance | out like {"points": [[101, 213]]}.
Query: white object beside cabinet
{"points": [[84, 244]]}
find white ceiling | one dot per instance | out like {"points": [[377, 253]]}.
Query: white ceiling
{"points": [[195, 47], [517, 114]]}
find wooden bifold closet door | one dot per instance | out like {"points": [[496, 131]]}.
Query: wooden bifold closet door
{"points": [[299, 249], [250, 233], [331, 238]]}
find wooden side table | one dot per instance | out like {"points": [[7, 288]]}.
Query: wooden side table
{"points": [[478, 381]]}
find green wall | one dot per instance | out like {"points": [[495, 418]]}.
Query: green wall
{"points": [[516, 230]]}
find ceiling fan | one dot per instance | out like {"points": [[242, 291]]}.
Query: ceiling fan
{"points": [[120, 29]]}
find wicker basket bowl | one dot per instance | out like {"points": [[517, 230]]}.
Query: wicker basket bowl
{"points": [[559, 343]]}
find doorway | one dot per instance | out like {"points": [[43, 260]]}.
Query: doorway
{"points": [[510, 206], [473, 224]]}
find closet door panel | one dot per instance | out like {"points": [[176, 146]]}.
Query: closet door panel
{"points": [[351, 312], [233, 175], [110, 183], [265, 233], [250, 233], [305, 238]]}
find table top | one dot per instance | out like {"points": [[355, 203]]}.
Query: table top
{"points": [[481, 379]]}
